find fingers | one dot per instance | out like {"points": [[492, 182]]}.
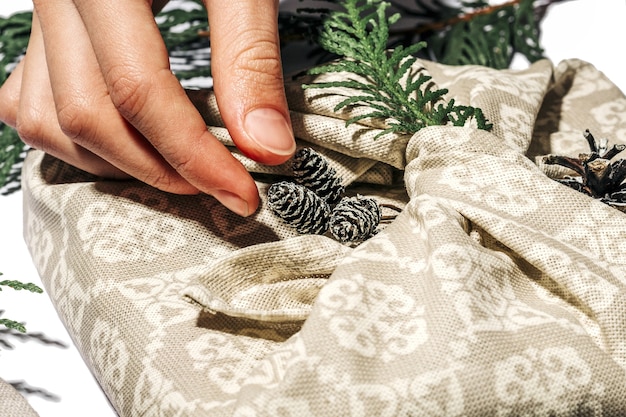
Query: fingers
{"points": [[135, 66], [35, 118], [98, 92], [119, 100], [10, 96], [247, 76], [85, 115]]}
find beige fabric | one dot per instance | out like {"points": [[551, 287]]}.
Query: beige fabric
{"points": [[496, 291], [13, 404]]}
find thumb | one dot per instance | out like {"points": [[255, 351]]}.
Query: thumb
{"points": [[247, 77]]}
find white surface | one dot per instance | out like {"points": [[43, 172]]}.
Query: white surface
{"points": [[59, 371], [587, 29], [590, 30]]}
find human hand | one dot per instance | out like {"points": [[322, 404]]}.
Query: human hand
{"points": [[96, 91]]}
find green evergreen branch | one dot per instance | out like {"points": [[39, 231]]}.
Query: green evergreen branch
{"points": [[12, 153], [14, 35], [14, 325], [18, 286], [486, 35], [181, 30], [360, 35]]}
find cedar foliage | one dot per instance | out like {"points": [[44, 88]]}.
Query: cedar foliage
{"points": [[360, 35], [18, 286], [470, 33], [480, 34]]}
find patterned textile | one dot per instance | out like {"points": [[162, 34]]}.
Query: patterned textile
{"points": [[13, 404], [495, 290]]}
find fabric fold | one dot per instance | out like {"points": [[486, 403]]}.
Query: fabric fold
{"points": [[510, 199], [495, 290], [13, 404], [492, 273], [276, 281]]}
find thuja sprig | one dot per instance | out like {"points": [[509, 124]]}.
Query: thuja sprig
{"points": [[391, 87], [17, 285]]}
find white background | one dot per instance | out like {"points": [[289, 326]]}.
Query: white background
{"points": [[592, 30]]}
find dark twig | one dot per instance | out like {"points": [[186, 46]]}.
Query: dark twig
{"points": [[466, 17]]}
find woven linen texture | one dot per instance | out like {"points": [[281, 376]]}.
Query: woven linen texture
{"points": [[495, 291], [13, 404]]}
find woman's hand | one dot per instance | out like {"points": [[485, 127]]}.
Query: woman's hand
{"points": [[95, 90]]}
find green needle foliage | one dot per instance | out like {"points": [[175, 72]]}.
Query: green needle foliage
{"points": [[14, 35], [490, 37], [18, 286], [393, 89], [12, 152], [468, 32], [180, 28]]}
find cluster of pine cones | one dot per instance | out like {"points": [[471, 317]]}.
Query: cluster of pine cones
{"points": [[315, 203], [598, 176]]}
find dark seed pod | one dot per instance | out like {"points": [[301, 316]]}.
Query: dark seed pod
{"points": [[575, 184], [618, 196], [299, 207], [599, 177], [311, 170], [355, 219]]}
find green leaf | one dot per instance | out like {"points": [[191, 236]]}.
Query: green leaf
{"points": [[490, 39], [18, 286], [12, 153], [12, 324], [397, 93]]}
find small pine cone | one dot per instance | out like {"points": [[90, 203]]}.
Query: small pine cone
{"points": [[299, 207], [311, 170], [354, 219]]}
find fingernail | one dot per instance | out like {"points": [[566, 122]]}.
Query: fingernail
{"points": [[232, 202], [270, 130]]}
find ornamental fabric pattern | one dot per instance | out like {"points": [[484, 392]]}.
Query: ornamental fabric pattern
{"points": [[495, 291]]}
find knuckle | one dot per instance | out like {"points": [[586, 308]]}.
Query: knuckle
{"points": [[260, 62], [159, 179], [182, 161], [8, 107], [31, 129], [75, 120], [128, 90]]}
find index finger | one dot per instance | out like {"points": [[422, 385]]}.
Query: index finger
{"points": [[135, 65]]}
